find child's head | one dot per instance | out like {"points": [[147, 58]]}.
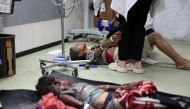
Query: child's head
{"points": [[78, 52], [51, 84]]}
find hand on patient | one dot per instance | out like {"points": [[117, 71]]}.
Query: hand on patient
{"points": [[115, 38]]}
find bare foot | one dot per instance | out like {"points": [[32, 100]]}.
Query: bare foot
{"points": [[184, 66]]}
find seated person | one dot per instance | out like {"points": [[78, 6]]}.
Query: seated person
{"points": [[137, 94], [99, 56], [107, 52]]}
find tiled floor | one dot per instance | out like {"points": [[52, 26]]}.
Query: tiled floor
{"points": [[164, 74]]}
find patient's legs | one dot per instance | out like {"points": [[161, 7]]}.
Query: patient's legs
{"points": [[156, 39]]}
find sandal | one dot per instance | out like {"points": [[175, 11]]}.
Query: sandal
{"points": [[115, 67], [131, 67]]}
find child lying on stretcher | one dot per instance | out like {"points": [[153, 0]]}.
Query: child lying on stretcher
{"points": [[107, 51], [136, 95]]}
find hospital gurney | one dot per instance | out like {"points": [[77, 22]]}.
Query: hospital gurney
{"points": [[28, 99]]}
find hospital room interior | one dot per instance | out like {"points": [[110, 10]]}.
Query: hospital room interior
{"points": [[42, 38]]}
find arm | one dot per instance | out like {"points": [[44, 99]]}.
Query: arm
{"points": [[103, 46], [71, 101], [109, 42], [113, 21], [114, 87]]}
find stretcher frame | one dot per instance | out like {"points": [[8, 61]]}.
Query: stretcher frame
{"points": [[44, 67]]}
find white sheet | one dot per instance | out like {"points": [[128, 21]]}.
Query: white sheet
{"points": [[171, 18]]}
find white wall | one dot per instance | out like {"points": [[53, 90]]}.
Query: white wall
{"points": [[33, 35], [76, 19], [171, 18], [36, 34], [1, 24]]}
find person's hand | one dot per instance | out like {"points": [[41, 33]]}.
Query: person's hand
{"points": [[116, 36], [113, 41]]}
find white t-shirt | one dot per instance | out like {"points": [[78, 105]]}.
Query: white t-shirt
{"points": [[122, 6], [149, 22]]}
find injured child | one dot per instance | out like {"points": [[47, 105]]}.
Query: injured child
{"points": [[135, 95], [107, 51]]}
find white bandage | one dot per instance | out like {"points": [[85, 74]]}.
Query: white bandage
{"points": [[103, 49], [111, 39], [86, 106]]}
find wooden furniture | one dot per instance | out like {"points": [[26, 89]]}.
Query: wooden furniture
{"points": [[7, 55]]}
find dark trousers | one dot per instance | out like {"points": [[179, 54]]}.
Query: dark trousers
{"points": [[132, 42]]}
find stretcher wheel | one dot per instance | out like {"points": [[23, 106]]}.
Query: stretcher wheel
{"points": [[45, 72], [87, 66], [42, 64], [75, 72], [70, 39]]}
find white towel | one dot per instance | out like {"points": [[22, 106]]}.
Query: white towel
{"points": [[122, 6]]}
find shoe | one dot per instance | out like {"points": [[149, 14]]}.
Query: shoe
{"points": [[115, 67], [131, 67]]}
